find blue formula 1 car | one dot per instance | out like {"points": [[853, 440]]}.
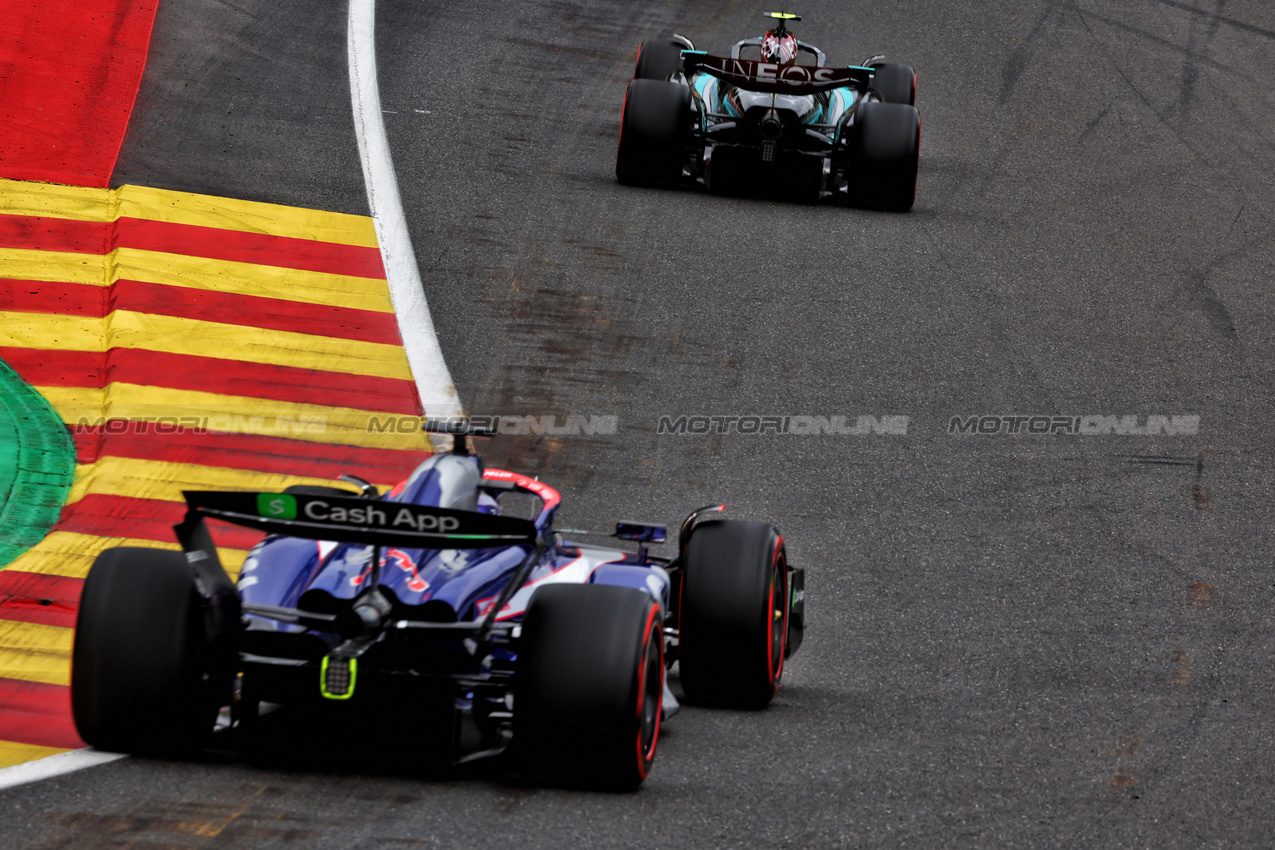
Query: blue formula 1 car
{"points": [[430, 623], [773, 117]]}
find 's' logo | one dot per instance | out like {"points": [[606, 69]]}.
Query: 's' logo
{"points": [[276, 505]]}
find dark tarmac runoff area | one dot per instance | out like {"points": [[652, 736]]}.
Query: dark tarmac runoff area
{"points": [[1018, 635]]}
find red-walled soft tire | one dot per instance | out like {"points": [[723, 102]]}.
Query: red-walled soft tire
{"points": [[138, 663], [588, 686], [654, 128], [734, 614], [657, 60], [884, 155], [895, 83]]}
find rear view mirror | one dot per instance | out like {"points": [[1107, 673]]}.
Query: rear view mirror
{"points": [[642, 531]]}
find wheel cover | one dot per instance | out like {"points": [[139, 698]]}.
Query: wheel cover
{"points": [[777, 615], [650, 692]]}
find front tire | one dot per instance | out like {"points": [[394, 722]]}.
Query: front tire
{"points": [[138, 663], [654, 127], [884, 155], [589, 685], [734, 614]]}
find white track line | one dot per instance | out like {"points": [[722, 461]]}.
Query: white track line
{"points": [[416, 326], [424, 356], [50, 766]]}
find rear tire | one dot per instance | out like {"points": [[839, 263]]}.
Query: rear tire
{"points": [[895, 83], [657, 60], [653, 131], [137, 666], [589, 686], [734, 614], [884, 154]]}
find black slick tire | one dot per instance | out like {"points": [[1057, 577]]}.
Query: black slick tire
{"points": [[734, 614], [589, 686], [895, 83], [884, 154], [657, 60], [654, 127], [137, 665]]}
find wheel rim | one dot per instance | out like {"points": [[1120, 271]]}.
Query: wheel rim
{"points": [[650, 696], [777, 614]]}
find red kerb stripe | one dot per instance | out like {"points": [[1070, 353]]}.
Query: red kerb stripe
{"points": [[145, 519], [244, 451], [39, 296], [38, 714], [96, 237], [52, 368], [259, 248], [278, 314], [54, 234], [35, 598]]}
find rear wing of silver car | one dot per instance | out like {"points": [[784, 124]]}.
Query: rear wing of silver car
{"points": [[775, 78]]}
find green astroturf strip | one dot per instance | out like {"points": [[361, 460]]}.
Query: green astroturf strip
{"points": [[37, 462]]}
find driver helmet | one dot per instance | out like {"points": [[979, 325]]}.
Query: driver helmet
{"points": [[780, 49], [446, 481]]}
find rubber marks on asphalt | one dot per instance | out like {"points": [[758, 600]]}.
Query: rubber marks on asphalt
{"points": [[70, 71], [187, 342]]}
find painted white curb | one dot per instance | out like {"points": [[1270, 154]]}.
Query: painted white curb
{"points": [[50, 766], [416, 326]]}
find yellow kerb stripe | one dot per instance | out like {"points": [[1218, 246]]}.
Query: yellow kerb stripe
{"points": [[49, 201], [175, 335], [66, 553], [22, 264], [157, 479], [245, 216], [11, 753], [357, 293], [35, 652], [310, 423]]}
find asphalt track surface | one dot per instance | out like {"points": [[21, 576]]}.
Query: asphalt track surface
{"points": [[1015, 640]]}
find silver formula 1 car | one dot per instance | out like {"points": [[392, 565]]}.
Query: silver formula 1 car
{"points": [[772, 117]]}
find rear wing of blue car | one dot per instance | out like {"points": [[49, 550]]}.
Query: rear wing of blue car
{"points": [[348, 519], [342, 519], [775, 78]]}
